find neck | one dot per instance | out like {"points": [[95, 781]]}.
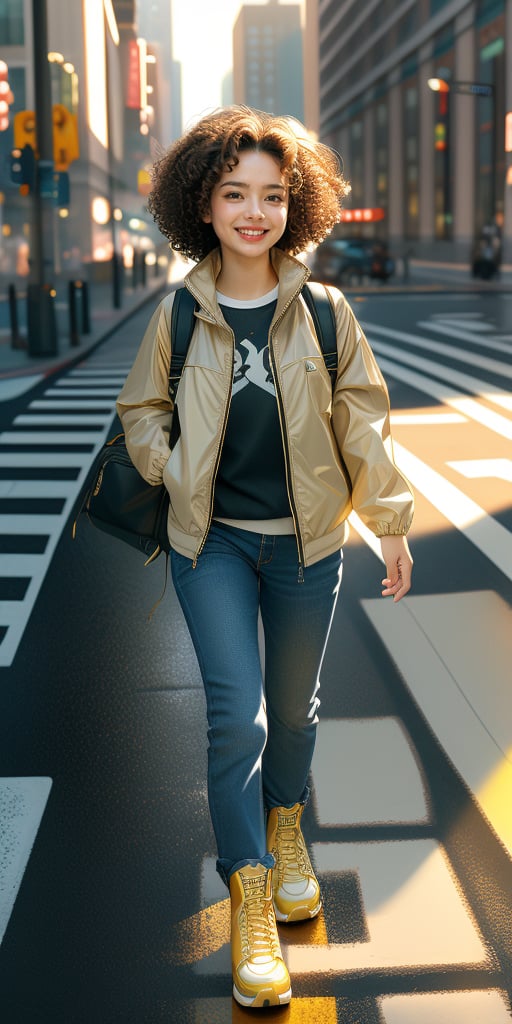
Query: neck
{"points": [[246, 281]]}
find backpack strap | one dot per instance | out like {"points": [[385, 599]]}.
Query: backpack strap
{"points": [[182, 328], [319, 303]]}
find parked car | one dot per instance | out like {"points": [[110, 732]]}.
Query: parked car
{"points": [[351, 260]]}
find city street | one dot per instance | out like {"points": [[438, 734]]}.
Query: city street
{"points": [[110, 907]]}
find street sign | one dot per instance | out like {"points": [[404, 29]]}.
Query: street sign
{"points": [[472, 88]]}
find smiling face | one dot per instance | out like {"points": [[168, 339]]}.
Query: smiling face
{"points": [[249, 206]]}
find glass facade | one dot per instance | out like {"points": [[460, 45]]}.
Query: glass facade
{"points": [[12, 30], [490, 156], [411, 157]]}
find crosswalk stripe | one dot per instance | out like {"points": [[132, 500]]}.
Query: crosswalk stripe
{"points": [[49, 420], [470, 358], [50, 437], [89, 392], [30, 525], [461, 380], [448, 396], [498, 343], [44, 460], [37, 489], [72, 403], [22, 805]]}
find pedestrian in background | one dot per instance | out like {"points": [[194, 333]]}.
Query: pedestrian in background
{"points": [[269, 462]]}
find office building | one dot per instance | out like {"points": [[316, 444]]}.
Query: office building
{"points": [[267, 58], [434, 161]]}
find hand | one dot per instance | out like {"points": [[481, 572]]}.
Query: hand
{"points": [[396, 554]]}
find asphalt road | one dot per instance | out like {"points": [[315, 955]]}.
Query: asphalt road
{"points": [[110, 909]]}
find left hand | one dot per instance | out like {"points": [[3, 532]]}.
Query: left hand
{"points": [[396, 554]]}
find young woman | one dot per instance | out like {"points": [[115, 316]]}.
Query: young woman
{"points": [[269, 462]]}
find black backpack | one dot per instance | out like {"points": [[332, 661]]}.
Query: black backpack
{"points": [[115, 497], [182, 327]]}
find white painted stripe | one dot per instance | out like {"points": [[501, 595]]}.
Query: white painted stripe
{"points": [[467, 406], [38, 488], [377, 752], [478, 469], [117, 373], [90, 392], [417, 418], [462, 317], [22, 805], [495, 366], [89, 370], [49, 437], [40, 419], [476, 324], [72, 403], [77, 385], [414, 914], [30, 525], [392, 332], [459, 687], [23, 565], [488, 1006], [463, 380], [493, 342], [482, 530], [44, 460]]}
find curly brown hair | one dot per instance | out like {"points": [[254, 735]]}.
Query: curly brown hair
{"points": [[183, 179]]}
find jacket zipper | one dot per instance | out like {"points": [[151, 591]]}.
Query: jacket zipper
{"points": [[280, 409], [219, 452], [284, 436]]}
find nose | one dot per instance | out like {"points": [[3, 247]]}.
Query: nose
{"points": [[254, 211]]}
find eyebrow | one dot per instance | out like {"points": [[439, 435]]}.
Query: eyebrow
{"points": [[244, 184]]}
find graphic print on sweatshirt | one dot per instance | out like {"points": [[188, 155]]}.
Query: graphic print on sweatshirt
{"points": [[251, 481]]}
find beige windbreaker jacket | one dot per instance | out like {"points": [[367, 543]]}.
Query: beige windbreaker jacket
{"points": [[337, 446]]}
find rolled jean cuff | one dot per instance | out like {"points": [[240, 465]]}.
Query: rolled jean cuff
{"points": [[226, 868], [302, 800]]}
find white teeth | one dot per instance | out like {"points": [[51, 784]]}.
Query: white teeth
{"points": [[248, 231]]}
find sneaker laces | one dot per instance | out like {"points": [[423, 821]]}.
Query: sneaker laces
{"points": [[292, 861], [258, 934]]}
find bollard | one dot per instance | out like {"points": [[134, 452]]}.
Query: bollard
{"points": [[86, 312], [42, 333], [143, 269], [16, 339], [116, 281], [74, 335]]}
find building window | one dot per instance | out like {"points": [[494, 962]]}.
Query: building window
{"points": [[382, 162], [490, 112], [411, 151], [12, 31]]}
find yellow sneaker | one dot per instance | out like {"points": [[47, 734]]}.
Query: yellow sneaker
{"points": [[260, 976], [295, 888]]}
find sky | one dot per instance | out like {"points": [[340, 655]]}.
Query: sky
{"points": [[203, 43]]}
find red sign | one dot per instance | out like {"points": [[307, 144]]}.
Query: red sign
{"points": [[363, 216], [133, 85]]}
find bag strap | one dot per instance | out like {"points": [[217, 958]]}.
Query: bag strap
{"points": [[182, 327], [319, 303]]}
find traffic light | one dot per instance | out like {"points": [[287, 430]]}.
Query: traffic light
{"points": [[6, 96], [23, 168], [65, 137], [25, 130]]}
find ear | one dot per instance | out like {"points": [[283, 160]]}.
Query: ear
{"points": [[206, 217]]}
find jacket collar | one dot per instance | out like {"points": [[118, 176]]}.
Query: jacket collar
{"points": [[201, 281]]}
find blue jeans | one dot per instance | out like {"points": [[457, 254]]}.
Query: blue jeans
{"points": [[262, 728]]}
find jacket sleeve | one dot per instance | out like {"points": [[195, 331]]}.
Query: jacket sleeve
{"points": [[381, 495], [144, 406]]}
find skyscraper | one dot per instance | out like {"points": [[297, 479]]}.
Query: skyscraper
{"points": [[267, 58]]}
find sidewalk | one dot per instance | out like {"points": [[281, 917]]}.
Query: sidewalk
{"points": [[20, 371]]}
